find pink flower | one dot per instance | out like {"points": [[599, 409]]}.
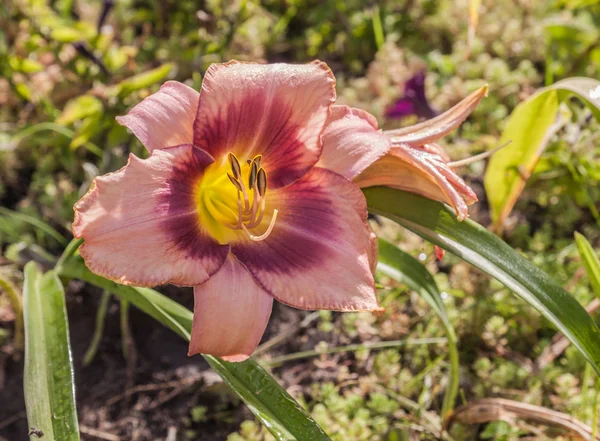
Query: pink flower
{"points": [[231, 201], [408, 158], [247, 197]]}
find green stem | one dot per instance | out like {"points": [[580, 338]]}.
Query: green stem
{"points": [[453, 375], [356, 347], [17, 305], [585, 381], [99, 329], [595, 417], [378, 28], [68, 252], [430, 366], [125, 328], [435, 425]]}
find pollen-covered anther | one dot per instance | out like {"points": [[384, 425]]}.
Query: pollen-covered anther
{"points": [[252, 210]]}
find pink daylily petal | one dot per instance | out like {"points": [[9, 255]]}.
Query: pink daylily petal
{"points": [[421, 172], [140, 224], [351, 141], [276, 110], [230, 314], [435, 128], [320, 250], [165, 118]]}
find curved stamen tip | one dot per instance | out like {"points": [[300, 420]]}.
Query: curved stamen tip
{"points": [[266, 233], [479, 157]]}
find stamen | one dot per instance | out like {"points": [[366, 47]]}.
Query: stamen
{"points": [[239, 185], [261, 213], [250, 215], [266, 233], [235, 182], [478, 157], [255, 204], [252, 177], [262, 181], [246, 203], [235, 166]]}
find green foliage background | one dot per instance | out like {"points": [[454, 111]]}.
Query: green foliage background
{"points": [[63, 81]]}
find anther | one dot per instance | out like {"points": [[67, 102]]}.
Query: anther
{"points": [[261, 182], [235, 166], [257, 159], [252, 177], [235, 182]]}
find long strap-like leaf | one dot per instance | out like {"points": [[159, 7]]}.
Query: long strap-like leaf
{"points": [[271, 404], [473, 243], [401, 266], [48, 380]]}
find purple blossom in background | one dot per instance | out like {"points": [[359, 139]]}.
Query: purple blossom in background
{"points": [[414, 101]]}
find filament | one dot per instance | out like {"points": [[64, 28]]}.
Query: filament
{"points": [[266, 233], [476, 158]]}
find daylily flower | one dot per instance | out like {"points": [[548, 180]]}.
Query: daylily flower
{"points": [[232, 202], [247, 197], [408, 158], [414, 101]]}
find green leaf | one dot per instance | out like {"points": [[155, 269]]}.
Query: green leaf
{"points": [[79, 108], [271, 404], [402, 267], [24, 65], [473, 243], [529, 130], [586, 89], [590, 260], [66, 34], [23, 91], [57, 128], [143, 80], [48, 380]]}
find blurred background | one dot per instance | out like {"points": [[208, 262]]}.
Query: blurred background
{"points": [[68, 67]]}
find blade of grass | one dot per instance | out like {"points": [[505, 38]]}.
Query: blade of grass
{"points": [[402, 267], [356, 347], [590, 261], [57, 128], [48, 379], [98, 330], [43, 226]]}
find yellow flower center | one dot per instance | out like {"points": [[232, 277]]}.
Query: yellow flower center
{"points": [[231, 199]]}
